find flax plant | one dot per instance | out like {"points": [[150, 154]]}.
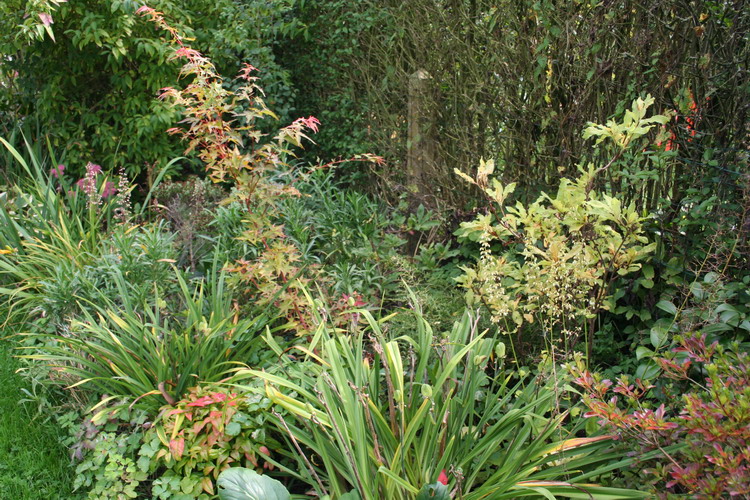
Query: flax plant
{"points": [[50, 225], [141, 354], [43, 225], [388, 417]]}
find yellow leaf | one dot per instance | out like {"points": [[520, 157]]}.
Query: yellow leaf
{"points": [[575, 443]]}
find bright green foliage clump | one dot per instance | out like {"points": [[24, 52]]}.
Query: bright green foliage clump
{"points": [[208, 431], [559, 256], [550, 265], [633, 126], [389, 416]]}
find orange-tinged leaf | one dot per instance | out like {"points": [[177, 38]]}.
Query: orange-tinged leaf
{"points": [[576, 442], [570, 444], [177, 447], [208, 485], [198, 427]]}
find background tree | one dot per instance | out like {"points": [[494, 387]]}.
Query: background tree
{"points": [[93, 87], [516, 81]]}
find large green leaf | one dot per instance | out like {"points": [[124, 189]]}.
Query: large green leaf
{"points": [[352, 495], [434, 491], [239, 483]]}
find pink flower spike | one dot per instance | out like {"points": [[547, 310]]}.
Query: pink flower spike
{"points": [[57, 171], [93, 169], [109, 190], [144, 9]]}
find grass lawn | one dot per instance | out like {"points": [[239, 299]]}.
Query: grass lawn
{"points": [[33, 465]]}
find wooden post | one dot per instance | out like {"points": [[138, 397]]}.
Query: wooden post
{"points": [[420, 154]]}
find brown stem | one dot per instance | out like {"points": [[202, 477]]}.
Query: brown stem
{"points": [[167, 397]]}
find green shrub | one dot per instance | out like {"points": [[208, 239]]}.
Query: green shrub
{"points": [[100, 102], [560, 255], [350, 235]]}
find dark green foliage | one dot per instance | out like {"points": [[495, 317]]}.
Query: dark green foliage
{"points": [[94, 86], [700, 270], [323, 60], [516, 81], [348, 233]]}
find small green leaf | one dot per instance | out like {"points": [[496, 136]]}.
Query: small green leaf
{"points": [[233, 429], [647, 283], [667, 307], [697, 290], [716, 328], [711, 277], [500, 350], [648, 272], [642, 351], [647, 371], [658, 336]]}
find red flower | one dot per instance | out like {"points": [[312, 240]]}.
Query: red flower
{"points": [[443, 478]]}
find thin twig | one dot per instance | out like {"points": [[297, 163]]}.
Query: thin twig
{"points": [[301, 453]]}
